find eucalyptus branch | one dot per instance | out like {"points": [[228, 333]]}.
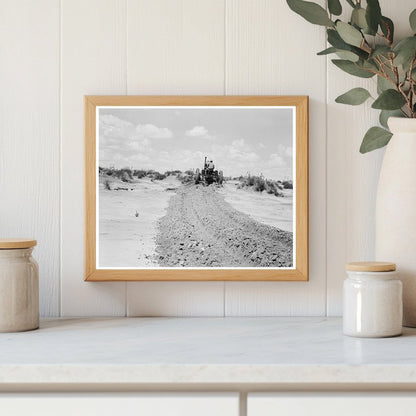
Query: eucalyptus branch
{"points": [[411, 90], [366, 48]]}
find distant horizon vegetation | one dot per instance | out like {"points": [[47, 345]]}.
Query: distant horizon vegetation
{"points": [[258, 183]]}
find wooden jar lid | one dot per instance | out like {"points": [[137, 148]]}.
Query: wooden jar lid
{"points": [[371, 266], [10, 243]]}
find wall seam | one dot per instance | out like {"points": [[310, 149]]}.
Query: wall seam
{"points": [[326, 180], [60, 162], [224, 297], [126, 91]]}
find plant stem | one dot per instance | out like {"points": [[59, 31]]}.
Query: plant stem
{"points": [[412, 85]]}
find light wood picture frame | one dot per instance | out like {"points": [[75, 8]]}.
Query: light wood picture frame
{"points": [[153, 166]]}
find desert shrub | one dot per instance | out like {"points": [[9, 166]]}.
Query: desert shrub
{"points": [[186, 177], [105, 171], [125, 176], [139, 173], [107, 185], [287, 184], [173, 172], [250, 180], [159, 176], [270, 187], [259, 184]]}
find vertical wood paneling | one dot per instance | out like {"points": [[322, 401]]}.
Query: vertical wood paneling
{"points": [[352, 178], [29, 135], [270, 50], [175, 47], [93, 62], [175, 299]]}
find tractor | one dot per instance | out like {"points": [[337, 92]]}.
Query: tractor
{"points": [[208, 175]]}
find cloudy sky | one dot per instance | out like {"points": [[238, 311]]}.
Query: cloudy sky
{"points": [[239, 140]]}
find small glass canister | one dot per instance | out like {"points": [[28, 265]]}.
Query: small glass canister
{"points": [[373, 305], [19, 286]]}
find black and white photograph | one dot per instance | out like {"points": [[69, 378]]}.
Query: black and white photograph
{"points": [[195, 187]]}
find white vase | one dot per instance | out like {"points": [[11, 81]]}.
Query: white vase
{"points": [[396, 210]]}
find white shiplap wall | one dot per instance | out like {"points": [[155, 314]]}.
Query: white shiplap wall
{"points": [[54, 52]]}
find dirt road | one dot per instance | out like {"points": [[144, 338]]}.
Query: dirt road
{"points": [[200, 229]]}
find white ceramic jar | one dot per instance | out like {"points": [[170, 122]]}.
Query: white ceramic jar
{"points": [[19, 286], [372, 300]]}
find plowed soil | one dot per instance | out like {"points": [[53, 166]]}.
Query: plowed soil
{"points": [[200, 229]]}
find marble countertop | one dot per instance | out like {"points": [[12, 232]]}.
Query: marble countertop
{"points": [[203, 351]]}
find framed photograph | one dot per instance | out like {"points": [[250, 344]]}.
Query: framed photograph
{"points": [[196, 187]]}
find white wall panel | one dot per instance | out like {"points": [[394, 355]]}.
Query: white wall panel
{"points": [[352, 177], [265, 54], [175, 47], [93, 62], [29, 135]]}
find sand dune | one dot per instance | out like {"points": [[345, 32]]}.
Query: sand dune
{"points": [[127, 240], [261, 206], [141, 226]]}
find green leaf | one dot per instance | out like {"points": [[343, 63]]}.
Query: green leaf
{"points": [[358, 18], [370, 65], [349, 34], [311, 12], [405, 50], [336, 41], [386, 114], [352, 68], [412, 20], [347, 55], [373, 15], [381, 50], [356, 96], [387, 27], [350, 56], [383, 84], [327, 51], [389, 100], [334, 7], [375, 138]]}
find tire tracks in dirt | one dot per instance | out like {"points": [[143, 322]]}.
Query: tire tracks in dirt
{"points": [[200, 229]]}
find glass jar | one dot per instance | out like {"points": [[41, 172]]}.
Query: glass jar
{"points": [[372, 300], [19, 286]]}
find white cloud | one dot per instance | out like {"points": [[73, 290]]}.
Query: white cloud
{"points": [[112, 127], [199, 132], [276, 160], [237, 151], [285, 150], [153, 132]]}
